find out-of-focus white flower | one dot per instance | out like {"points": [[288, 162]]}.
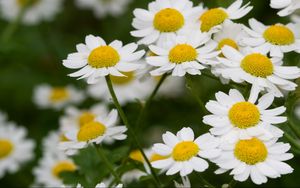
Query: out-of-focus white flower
{"points": [[287, 6], [37, 10], [185, 183], [102, 8], [132, 175], [15, 148], [46, 96]]}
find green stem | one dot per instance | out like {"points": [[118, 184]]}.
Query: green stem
{"points": [[293, 127], [292, 140], [206, 183], [108, 164], [148, 102], [189, 85], [131, 132]]}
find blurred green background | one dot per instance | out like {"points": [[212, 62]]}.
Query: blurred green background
{"points": [[34, 55]]}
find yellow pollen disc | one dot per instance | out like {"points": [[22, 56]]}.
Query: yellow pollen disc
{"points": [[103, 56], [6, 147], [157, 157], [182, 53], [279, 35], [211, 18], [168, 20], [137, 156], [23, 3], [244, 115], [227, 42], [257, 65], [185, 150], [59, 94], [90, 131], [121, 80], [251, 151], [63, 166], [63, 138], [85, 118]]}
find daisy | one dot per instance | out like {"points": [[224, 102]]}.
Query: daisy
{"points": [[287, 6], [36, 12], [276, 39], [15, 148], [96, 59], [185, 183], [93, 132], [101, 185], [182, 54], [233, 117], [256, 158], [257, 68], [185, 153], [51, 141], [211, 20], [46, 96], [48, 171], [164, 19], [127, 89], [102, 8], [132, 175]]}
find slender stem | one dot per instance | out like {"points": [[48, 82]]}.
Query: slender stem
{"points": [[108, 164], [206, 183], [292, 140], [148, 102], [189, 85], [131, 132], [295, 128]]}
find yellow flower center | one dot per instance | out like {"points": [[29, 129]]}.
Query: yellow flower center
{"points": [[211, 18], [90, 131], [185, 150], [257, 65], [251, 151], [227, 42], [23, 3], [244, 115], [59, 94], [168, 20], [63, 166], [103, 56], [182, 53], [6, 147], [121, 80], [86, 117], [157, 157], [136, 155], [279, 35]]}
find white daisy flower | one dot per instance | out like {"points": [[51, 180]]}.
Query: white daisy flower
{"points": [[15, 148], [287, 6], [96, 59], [255, 158], [102, 8], [48, 171], [127, 88], [164, 19], [101, 185], [185, 153], [182, 54], [93, 132], [211, 20], [258, 69], [185, 183], [46, 96], [51, 141], [132, 175], [36, 12], [276, 39], [234, 118]]}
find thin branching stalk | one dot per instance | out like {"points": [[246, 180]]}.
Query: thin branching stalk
{"points": [[205, 182], [131, 131]]}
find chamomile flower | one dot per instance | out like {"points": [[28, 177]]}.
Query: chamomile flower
{"points": [[257, 68], [51, 141], [46, 96], [182, 54], [36, 10], [48, 171], [256, 158], [164, 19], [211, 20], [93, 132], [287, 6], [185, 183], [276, 39], [127, 88], [132, 175], [184, 153], [102, 8], [233, 117], [96, 59], [15, 148], [101, 185]]}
